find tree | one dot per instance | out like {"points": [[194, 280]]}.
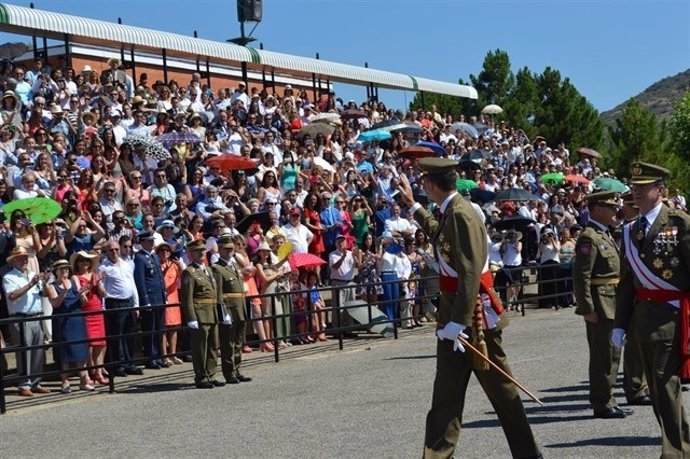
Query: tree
{"points": [[680, 126], [520, 108], [635, 137], [495, 82]]}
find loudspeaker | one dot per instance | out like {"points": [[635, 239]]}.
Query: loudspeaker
{"points": [[249, 10]]}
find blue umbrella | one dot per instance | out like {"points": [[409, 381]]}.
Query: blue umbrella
{"points": [[173, 138], [438, 149], [464, 127], [370, 136]]}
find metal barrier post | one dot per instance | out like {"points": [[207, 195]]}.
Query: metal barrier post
{"points": [[276, 353], [338, 322], [3, 403]]}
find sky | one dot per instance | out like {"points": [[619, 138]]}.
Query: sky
{"points": [[610, 50]]}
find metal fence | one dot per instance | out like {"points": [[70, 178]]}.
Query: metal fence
{"points": [[342, 327]]}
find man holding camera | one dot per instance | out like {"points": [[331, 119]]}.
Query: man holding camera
{"points": [[596, 273]]}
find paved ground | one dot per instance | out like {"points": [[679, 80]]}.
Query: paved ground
{"points": [[369, 400]]}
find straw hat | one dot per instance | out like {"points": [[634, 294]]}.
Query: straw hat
{"points": [[16, 253], [263, 246], [61, 264], [92, 257]]}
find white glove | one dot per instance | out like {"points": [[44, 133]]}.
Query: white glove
{"points": [[227, 320], [618, 337], [451, 331], [193, 324]]}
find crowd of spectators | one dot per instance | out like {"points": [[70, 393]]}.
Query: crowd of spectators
{"points": [[64, 135]]}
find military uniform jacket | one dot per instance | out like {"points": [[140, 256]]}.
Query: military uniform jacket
{"points": [[665, 253], [596, 270], [198, 295], [229, 280], [148, 277], [459, 239]]}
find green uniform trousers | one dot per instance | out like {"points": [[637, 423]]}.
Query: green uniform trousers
{"points": [[661, 363], [634, 380], [453, 370], [204, 357], [604, 359], [231, 344]]}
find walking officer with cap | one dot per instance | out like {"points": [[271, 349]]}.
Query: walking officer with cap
{"points": [[596, 273], [199, 298], [461, 249], [231, 330], [653, 298]]}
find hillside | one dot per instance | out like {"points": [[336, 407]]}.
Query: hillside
{"points": [[659, 98]]}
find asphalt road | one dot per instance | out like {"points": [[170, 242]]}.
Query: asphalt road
{"points": [[369, 400]]}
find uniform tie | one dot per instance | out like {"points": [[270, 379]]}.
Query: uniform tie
{"points": [[644, 224]]}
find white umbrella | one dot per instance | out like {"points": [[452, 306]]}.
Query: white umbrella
{"points": [[325, 165], [326, 117], [492, 109]]}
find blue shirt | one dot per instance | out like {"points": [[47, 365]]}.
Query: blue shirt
{"points": [[329, 217]]}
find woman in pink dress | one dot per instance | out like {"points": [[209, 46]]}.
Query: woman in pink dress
{"points": [[173, 317], [91, 295]]}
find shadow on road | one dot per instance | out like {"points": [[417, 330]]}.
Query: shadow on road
{"points": [[610, 441], [412, 357]]}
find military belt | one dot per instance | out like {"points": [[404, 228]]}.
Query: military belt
{"points": [[605, 281], [205, 301], [230, 296]]}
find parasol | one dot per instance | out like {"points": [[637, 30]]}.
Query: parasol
{"points": [[576, 179], [555, 178], [305, 260], [174, 138], [231, 163], [262, 218], [438, 149], [353, 113], [376, 134], [465, 185], [609, 184], [465, 128], [415, 151], [516, 222], [492, 109], [152, 148], [325, 165], [37, 210], [515, 194], [314, 129], [385, 124], [10, 51], [592, 153], [326, 117]]}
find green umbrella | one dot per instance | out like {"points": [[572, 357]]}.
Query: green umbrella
{"points": [[37, 210], [554, 179], [609, 184], [466, 185]]}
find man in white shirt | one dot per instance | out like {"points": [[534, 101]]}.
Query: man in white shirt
{"points": [[296, 233], [117, 280], [22, 288], [397, 225], [342, 265]]}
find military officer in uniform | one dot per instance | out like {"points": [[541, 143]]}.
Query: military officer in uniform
{"points": [[461, 245], [148, 277], [634, 381], [231, 295], [199, 298], [596, 273], [653, 296]]}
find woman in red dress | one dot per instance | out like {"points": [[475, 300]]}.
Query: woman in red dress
{"points": [[312, 221], [91, 295]]}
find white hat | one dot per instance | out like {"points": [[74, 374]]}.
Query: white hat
{"points": [[86, 68]]}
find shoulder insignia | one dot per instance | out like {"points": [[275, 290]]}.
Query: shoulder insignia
{"points": [[585, 248]]}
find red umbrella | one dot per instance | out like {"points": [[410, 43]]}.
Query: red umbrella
{"points": [[231, 163], [576, 179], [415, 151], [305, 260]]}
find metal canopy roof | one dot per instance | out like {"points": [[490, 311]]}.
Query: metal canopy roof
{"points": [[29, 21]]}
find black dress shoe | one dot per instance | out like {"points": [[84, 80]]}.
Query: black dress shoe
{"points": [[610, 413], [217, 383], [134, 371], [204, 385], [645, 400], [120, 372], [187, 358], [242, 378], [232, 380], [152, 366]]}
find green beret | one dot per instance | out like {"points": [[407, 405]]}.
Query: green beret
{"points": [[645, 173]]}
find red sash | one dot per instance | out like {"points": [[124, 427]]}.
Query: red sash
{"points": [[665, 296]]}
